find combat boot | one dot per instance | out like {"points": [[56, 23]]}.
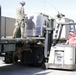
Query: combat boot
{"points": [[22, 36]]}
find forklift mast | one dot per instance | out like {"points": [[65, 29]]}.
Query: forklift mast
{"points": [[48, 38], [56, 33]]}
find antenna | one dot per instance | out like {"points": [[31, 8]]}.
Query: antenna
{"points": [[44, 6], [59, 15], [50, 5]]}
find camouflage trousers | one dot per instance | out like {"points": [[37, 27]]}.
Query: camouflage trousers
{"points": [[19, 24]]}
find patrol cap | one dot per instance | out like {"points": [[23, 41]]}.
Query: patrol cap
{"points": [[22, 2]]}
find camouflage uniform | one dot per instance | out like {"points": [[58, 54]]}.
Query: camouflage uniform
{"points": [[20, 21]]}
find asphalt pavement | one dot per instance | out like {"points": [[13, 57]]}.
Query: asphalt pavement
{"points": [[19, 69]]}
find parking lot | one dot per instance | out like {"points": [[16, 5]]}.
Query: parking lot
{"points": [[19, 69]]}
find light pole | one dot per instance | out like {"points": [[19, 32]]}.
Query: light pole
{"points": [[0, 23]]}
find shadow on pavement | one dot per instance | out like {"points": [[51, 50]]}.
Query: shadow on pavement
{"points": [[19, 69]]}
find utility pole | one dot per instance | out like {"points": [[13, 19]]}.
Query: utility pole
{"points": [[0, 23]]}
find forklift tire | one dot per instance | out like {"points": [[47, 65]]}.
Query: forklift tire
{"points": [[38, 57], [8, 57], [45, 66]]}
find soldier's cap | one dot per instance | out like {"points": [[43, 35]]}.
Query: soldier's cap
{"points": [[22, 2]]}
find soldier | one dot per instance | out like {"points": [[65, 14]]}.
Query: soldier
{"points": [[20, 20], [71, 39]]}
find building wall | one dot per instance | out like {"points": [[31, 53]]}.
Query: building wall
{"points": [[7, 26]]}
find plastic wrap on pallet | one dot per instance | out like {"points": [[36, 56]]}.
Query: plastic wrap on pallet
{"points": [[34, 24]]}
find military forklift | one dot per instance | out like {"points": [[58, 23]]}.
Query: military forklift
{"points": [[59, 55]]}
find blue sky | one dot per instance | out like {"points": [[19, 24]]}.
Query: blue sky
{"points": [[49, 7]]}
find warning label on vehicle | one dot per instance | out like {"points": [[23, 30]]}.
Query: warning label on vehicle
{"points": [[59, 54]]}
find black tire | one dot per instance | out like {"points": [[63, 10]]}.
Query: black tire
{"points": [[38, 57], [15, 58], [8, 57], [45, 66]]}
